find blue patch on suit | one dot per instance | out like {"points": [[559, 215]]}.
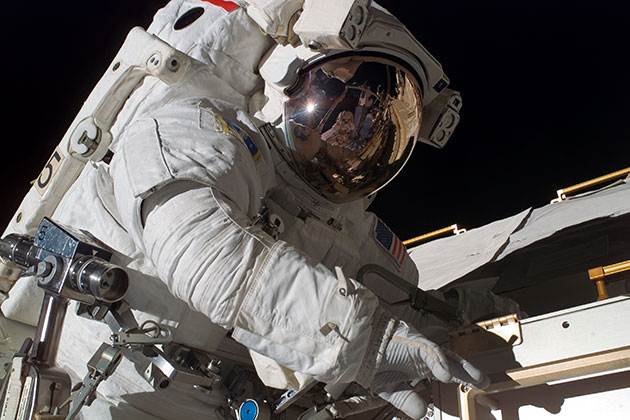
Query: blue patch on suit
{"points": [[234, 129]]}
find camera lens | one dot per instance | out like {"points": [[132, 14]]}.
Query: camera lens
{"points": [[99, 278]]}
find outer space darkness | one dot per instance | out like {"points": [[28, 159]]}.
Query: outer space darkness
{"points": [[545, 87]]}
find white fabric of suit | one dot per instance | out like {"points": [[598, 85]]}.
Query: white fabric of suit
{"points": [[179, 199]]}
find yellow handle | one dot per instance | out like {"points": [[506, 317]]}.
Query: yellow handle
{"points": [[599, 274], [562, 194]]}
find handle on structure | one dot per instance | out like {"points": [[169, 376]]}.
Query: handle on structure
{"points": [[603, 275], [564, 192], [454, 229]]}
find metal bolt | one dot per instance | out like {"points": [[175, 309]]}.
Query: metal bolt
{"points": [[173, 65], [47, 268], [202, 389], [214, 366], [44, 268], [314, 45], [95, 310]]}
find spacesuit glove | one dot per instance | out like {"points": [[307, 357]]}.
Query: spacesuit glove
{"points": [[408, 356], [476, 305]]}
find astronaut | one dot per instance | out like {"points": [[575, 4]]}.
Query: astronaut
{"points": [[228, 224]]}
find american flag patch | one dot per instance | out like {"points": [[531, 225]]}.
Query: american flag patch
{"points": [[390, 241]]}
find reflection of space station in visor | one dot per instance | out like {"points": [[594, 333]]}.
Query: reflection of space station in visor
{"points": [[353, 123]]}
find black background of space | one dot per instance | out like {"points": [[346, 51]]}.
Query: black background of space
{"points": [[545, 86]]}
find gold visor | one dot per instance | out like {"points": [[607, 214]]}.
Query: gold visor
{"points": [[352, 124]]}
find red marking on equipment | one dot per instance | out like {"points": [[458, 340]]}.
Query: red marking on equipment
{"points": [[228, 6]]}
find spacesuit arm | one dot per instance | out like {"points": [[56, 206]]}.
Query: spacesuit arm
{"points": [[277, 302], [206, 248]]}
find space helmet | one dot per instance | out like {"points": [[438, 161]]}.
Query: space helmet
{"points": [[352, 110]]}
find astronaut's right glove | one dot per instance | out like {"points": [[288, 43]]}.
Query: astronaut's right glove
{"points": [[409, 355], [476, 305]]}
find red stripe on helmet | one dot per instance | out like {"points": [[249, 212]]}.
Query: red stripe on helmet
{"points": [[228, 6]]}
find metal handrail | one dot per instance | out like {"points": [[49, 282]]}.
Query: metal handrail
{"points": [[432, 235], [602, 275], [564, 192]]}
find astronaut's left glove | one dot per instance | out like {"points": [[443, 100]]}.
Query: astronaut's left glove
{"points": [[408, 355]]}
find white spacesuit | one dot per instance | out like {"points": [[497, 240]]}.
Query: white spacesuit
{"points": [[226, 230]]}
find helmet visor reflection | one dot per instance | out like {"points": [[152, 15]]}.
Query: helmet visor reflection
{"points": [[351, 124]]}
